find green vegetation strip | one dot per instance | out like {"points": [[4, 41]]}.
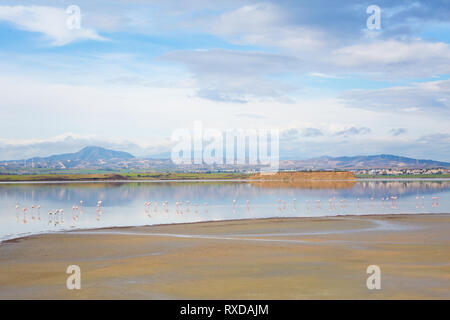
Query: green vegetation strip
{"points": [[123, 176], [134, 176]]}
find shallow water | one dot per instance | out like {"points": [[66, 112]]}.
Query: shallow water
{"points": [[123, 202]]}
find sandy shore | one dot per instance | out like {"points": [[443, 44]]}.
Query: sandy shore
{"points": [[296, 258]]}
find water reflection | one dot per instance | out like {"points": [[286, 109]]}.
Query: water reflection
{"points": [[91, 205]]}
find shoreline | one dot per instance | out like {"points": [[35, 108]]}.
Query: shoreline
{"points": [[2, 182], [285, 176], [171, 176], [270, 258], [243, 220]]}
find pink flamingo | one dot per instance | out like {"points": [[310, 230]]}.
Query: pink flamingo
{"points": [[50, 217], [17, 212], [435, 202], [147, 205], [61, 211], [24, 215], [393, 203]]}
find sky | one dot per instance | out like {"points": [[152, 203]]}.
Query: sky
{"points": [[135, 71]]}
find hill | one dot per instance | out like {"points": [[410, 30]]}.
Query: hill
{"points": [[88, 157], [362, 162], [88, 154]]}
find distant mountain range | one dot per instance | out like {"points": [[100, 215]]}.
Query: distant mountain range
{"points": [[364, 162], [88, 154], [100, 158]]}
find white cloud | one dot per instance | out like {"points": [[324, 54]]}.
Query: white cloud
{"points": [[398, 131], [353, 131], [262, 24], [233, 76], [302, 48], [49, 21], [324, 75], [432, 96], [395, 58], [312, 132]]}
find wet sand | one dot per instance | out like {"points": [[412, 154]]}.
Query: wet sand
{"points": [[285, 258]]}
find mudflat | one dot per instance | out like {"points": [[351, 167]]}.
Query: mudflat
{"points": [[280, 258]]}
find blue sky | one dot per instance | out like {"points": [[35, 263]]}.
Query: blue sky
{"points": [[137, 70]]}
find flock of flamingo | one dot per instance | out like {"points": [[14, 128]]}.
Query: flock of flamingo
{"points": [[56, 217], [282, 205]]}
